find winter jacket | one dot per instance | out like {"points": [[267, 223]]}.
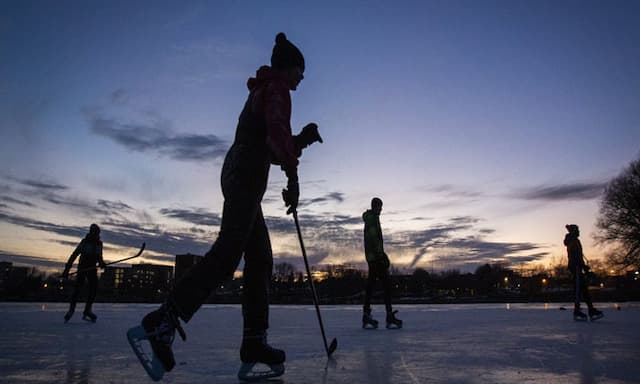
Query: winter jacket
{"points": [[373, 244], [90, 251], [574, 252], [264, 124]]}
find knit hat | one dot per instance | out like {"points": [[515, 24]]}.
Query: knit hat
{"points": [[286, 55], [571, 228]]}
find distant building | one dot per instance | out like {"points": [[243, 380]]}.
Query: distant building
{"points": [[184, 263], [151, 277], [116, 279]]}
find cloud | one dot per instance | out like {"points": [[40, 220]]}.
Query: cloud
{"points": [[64, 230], [333, 196], [329, 238], [156, 137], [31, 260], [198, 216], [114, 205], [12, 200], [450, 190], [39, 184], [576, 191]]}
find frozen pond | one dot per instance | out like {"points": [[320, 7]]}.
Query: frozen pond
{"points": [[485, 343]]}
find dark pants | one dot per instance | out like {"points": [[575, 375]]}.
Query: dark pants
{"points": [[580, 287], [378, 271], [242, 232], [92, 277]]}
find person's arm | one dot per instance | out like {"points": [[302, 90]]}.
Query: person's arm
{"points": [[277, 110], [277, 114], [100, 259], [372, 237], [72, 258]]}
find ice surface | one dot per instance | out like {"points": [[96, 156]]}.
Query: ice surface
{"points": [[487, 343]]}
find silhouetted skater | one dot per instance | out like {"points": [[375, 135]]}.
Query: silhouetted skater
{"points": [[263, 137], [379, 264], [578, 270], [90, 251]]}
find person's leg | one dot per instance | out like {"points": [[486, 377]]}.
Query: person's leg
{"points": [[92, 278], [584, 290], [576, 287], [258, 266], [77, 287], [243, 183], [220, 262], [371, 282], [385, 277]]}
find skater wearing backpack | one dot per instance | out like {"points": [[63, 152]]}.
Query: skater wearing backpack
{"points": [[379, 264], [578, 270], [263, 137], [90, 252]]}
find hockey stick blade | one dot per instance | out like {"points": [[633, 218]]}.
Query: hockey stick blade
{"points": [[332, 347]]}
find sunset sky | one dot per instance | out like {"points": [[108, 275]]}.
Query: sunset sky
{"points": [[484, 126]]}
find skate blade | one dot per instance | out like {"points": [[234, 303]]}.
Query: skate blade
{"points": [[152, 365], [596, 317], [246, 372], [369, 326], [579, 319], [394, 326], [87, 318]]}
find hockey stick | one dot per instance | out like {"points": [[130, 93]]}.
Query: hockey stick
{"points": [[113, 262], [334, 343]]}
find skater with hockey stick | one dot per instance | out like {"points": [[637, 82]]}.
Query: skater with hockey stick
{"points": [[578, 270], [379, 264], [263, 137], [90, 251]]}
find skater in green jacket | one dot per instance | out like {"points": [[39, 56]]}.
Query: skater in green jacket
{"points": [[379, 264]]}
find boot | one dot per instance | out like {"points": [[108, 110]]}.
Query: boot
{"points": [[368, 322], [88, 315], [595, 314], [67, 316], [392, 321], [160, 326], [578, 315], [254, 350]]}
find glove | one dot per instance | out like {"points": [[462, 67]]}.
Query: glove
{"points": [[308, 136], [291, 194], [102, 265]]}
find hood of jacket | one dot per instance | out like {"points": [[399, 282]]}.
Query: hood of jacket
{"points": [[568, 238], [265, 74]]}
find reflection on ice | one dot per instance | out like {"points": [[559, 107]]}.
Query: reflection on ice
{"points": [[489, 343]]}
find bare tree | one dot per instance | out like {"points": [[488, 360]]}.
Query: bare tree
{"points": [[619, 219], [284, 272]]}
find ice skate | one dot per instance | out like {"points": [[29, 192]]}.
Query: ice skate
{"points": [[368, 322], [67, 316], [578, 315], [392, 321], [595, 314], [255, 350], [89, 316], [159, 328]]}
